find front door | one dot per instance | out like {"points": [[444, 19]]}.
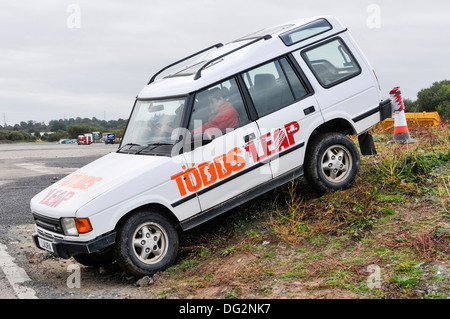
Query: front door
{"points": [[223, 168]]}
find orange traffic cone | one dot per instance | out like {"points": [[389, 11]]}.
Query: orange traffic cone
{"points": [[401, 132]]}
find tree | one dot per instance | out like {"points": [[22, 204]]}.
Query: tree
{"points": [[435, 98], [56, 126], [444, 109]]}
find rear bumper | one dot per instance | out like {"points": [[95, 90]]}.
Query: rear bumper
{"points": [[386, 109], [65, 249]]}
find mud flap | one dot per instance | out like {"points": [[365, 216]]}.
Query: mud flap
{"points": [[366, 144]]}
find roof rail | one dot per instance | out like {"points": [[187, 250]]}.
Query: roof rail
{"points": [[199, 72], [218, 45]]}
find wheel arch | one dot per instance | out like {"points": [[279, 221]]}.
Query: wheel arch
{"points": [[151, 206], [339, 125]]}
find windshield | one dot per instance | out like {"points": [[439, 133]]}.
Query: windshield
{"points": [[154, 122]]}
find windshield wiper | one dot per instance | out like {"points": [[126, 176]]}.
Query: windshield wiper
{"points": [[128, 144], [153, 146]]}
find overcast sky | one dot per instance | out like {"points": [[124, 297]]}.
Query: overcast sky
{"points": [[68, 59]]}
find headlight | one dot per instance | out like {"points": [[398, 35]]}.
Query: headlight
{"points": [[75, 226], [69, 226]]}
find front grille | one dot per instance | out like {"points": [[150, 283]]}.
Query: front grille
{"points": [[48, 223]]}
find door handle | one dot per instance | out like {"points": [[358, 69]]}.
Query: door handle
{"points": [[249, 137], [309, 110]]}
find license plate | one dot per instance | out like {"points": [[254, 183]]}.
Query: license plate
{"points": [[45, 244]]}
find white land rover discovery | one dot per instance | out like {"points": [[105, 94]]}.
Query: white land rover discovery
{"points": [[236, 121]]}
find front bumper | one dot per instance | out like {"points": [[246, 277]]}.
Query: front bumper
{"points": [[65, 249]]}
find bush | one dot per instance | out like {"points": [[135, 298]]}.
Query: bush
{"points": [[54, 137], [16, 136]]}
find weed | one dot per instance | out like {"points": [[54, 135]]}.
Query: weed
{"points": [[200, 252], [439, 278], [318, 239], [232, 295], [403, 165], [264, 290], [289, 224], [292, 274], [380, 251], [315, 256], [430, 245], [354, 261], [404, 280], [339, 277], [267, 272], [189, 263], [438, 295], [228, 251], [444, 194], [406, 275]]}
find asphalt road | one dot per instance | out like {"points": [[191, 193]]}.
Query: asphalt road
{"points": [[25, 170]]}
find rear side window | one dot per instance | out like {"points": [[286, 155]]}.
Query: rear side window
{"points": [[331, 62], [273, 86]]}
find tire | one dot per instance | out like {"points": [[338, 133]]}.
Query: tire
{"points": [[331, 163], [96, 259], [146, 243]]}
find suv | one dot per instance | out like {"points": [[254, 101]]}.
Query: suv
{"points": [[229, 124]]}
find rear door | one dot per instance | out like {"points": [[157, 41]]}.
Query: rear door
{"points": [[287, 111], [346, 85]]}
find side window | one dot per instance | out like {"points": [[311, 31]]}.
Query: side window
{"points": [[331, 63], [273, 86], [218, 107]]}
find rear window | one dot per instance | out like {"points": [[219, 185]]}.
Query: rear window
{"points": [[305, 31], [331, 62]]}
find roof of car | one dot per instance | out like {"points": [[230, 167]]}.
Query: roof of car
{"points": [[218, 63]]}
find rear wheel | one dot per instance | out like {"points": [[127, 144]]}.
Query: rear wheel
{"points": [[146, 243], [332, 162]]}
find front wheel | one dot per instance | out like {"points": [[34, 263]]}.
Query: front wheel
{"points": [[332, 162], [146, 243]]}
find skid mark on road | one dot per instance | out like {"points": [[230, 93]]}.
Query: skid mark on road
{"points": [[15, 275]]}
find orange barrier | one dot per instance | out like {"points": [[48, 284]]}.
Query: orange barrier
{"points": [[424, 119]]}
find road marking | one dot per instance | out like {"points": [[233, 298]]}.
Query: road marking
{"points": [[15, 275]]}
